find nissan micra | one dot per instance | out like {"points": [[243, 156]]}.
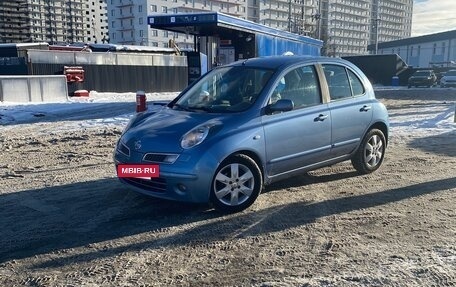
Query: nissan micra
{"points": [[256, 121]]}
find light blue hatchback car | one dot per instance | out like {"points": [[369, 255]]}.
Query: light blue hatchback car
{"points": [[248, 124]]}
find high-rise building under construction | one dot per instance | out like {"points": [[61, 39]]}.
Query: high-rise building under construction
{"points": [[57, 21]]}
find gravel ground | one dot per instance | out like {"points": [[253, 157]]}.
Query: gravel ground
{"points": [[65, 220]]}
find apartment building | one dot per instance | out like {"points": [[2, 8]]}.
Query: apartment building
{"points": [[347, 27], [57, 21], [128, 19], [96, 21]]}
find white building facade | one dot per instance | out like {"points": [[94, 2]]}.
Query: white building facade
{"points": [[128, 19], [96, 21], [434, 50], [346, 26]]}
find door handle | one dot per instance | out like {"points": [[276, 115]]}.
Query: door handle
{"points": [[365, 108], [321, 117]]}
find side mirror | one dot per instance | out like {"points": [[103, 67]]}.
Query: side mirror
{"points": [[282, 105]]}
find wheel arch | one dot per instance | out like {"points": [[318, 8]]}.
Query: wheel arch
{"points": [[381, 126], [254, 156]]}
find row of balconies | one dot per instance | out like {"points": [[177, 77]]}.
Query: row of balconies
{"points": [[272, 8], [125, 3], [347, 44], [346, 35], [394, 5], [391, 20], [351, 12], [351, 4], [347, 18], [399, 13], [187, 9], [351, 28]]}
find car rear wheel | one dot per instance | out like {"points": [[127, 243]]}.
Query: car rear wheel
{"points": [[370, 153], [236, 184]]}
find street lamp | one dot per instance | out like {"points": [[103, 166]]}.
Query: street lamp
{"points": [[377, 23]]}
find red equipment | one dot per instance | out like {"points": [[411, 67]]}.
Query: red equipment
{"points": [[74, 74], [141, 104]]}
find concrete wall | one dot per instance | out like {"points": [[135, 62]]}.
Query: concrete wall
{"points": [[33, 89]]}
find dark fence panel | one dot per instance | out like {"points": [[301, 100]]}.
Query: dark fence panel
{"points": [[380, 69], [122, 78], [13, 66]]}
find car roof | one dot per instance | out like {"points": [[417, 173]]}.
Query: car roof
{"points": [[274, 62]]}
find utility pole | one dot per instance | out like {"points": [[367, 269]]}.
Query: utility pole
{"points": [[319, 19], [289, 15], [377, 23]]}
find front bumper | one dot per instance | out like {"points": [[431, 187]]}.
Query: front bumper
{"points": [[188, 179]]}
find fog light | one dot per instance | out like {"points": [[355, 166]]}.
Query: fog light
{"points": [[182, 187], [171, 158]]}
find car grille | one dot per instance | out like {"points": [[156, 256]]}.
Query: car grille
{"points": [[123, 149], [153, 184]]}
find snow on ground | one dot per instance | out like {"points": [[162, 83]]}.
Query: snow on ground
{"points": [[99, 109], [417, 120], [115, 109]]}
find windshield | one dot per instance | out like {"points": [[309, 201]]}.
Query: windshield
{"points": [[225, 89]]}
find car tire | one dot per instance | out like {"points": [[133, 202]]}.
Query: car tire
{"points": [[236, 184], [370, 153]]}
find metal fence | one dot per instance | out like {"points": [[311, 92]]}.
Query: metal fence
{"points": [[115, 72]]}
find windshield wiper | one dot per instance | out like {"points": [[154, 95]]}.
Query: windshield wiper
{"points": [[182, 107], [199, 108]]}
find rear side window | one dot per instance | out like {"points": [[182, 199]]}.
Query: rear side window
{"points": [[342, 82], [356, 84]]}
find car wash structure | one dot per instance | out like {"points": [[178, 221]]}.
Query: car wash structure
{"points": [[225, 39]]}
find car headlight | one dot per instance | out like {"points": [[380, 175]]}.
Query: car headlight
{"points": [[195, 136]]}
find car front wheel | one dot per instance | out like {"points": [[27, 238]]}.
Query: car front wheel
{"points": [[370, 153], [236, 184]]}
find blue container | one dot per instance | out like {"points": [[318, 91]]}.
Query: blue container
{"points": [[395, 81]]}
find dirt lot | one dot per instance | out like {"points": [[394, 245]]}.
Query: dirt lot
{"points": [[66, 221]]}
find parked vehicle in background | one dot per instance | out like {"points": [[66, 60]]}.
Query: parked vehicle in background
{"points": [[248, 124], [448, 79], [426, 78]]}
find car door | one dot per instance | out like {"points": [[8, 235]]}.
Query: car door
{"points": [[350, 108], [300, 137]]}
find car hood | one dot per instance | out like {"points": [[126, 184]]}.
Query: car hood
{"points": [[162, 131]]}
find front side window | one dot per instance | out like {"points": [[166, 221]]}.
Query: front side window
{"points": [[300, 86], [225, 89]]}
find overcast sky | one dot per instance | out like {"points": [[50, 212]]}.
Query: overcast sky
{"points": [[432, 16]]}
